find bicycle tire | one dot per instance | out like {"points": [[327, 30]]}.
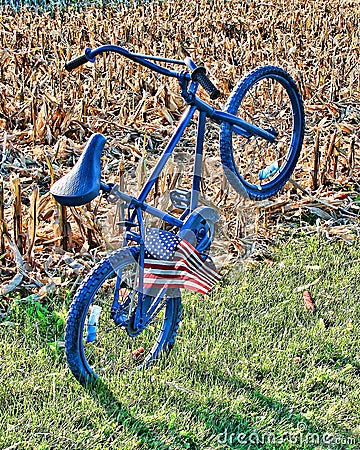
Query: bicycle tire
{"points": [[240, 170], [88, 367]]}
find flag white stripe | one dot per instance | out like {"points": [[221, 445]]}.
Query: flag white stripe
{"points": [[192, 252], [152, 271], [195, 265], [183, 266], [199, 264], [177, 284], [201, 269], [185, 269]]}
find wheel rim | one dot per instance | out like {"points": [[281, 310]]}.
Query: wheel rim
{"points": [[270, 103], [114, 352]]}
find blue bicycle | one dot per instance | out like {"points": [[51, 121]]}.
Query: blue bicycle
{"points": [[120, 318]]}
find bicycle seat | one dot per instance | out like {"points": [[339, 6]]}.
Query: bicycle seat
{"points": [[82, 183]]}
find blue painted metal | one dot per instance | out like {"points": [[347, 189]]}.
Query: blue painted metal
{"points": [[140, 287], [241, 124], [135, 204], [141, 59], [190, 98], [201, 220], [184, 121], [190, 63], [82, 184], [198, 229], [222, 116], [188, 92], [195, 191], [159, 58], [240, 131]]}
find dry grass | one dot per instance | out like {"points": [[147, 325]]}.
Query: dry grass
{"points": [[46, 114]]}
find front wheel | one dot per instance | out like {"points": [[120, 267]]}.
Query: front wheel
{"points": [[99, 338], [268, 98]]}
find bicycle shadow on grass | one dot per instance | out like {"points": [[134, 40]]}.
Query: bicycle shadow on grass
{"points": [[240, 432], [150, 438], [225, 429], [101, 393]]}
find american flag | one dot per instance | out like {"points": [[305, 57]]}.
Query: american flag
{"points": [[172, 262]]}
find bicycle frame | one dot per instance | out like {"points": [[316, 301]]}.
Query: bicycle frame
{"points": [[138, 205], [205, 110]]}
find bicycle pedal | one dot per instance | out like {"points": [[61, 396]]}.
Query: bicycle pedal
{"points": [[180, 198], [130, 236]]}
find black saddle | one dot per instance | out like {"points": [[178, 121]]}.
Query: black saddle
{"points": [[82, 183]]}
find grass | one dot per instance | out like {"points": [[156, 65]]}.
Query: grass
{"points": [[251, 368]]}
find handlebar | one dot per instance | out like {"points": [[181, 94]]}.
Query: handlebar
{"points": [[198, 74], [77, 62]]}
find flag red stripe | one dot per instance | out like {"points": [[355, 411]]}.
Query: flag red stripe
{"points": [[197, 269], [191, 252], [178, 285], [172, 267], [186, 270], [154, 270], [153, 278], [198, 262]]}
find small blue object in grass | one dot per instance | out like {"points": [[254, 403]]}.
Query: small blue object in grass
{"points": [[268, 171], [93, 323]]}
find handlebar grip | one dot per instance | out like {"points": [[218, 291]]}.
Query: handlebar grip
{"points": [[77, 62], [199, 75]]}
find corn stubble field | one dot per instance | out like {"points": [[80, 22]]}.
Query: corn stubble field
{"points": [[46, 116]]}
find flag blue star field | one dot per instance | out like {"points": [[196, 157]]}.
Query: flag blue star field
{"points": [[172, 262]]}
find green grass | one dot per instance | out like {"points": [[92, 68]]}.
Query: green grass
{"points": [[250, 364]]}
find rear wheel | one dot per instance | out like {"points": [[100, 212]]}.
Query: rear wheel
{"points": [[100, 339], [268, 98]]}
